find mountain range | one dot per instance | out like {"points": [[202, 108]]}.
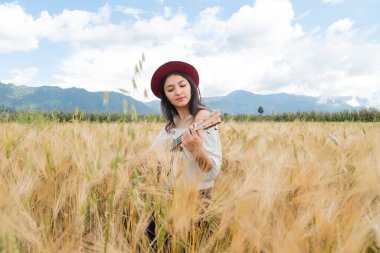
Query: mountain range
{"points": [[51, 98]]}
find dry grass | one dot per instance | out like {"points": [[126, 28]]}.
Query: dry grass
{"points": [[284, 187]]}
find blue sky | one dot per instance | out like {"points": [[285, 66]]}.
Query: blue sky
{"points": [[321, 48]]}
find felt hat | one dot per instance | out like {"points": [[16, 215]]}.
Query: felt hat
{"points": [[168, 68]]}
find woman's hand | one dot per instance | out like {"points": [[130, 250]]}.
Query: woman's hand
{"points": [[192, 140]]}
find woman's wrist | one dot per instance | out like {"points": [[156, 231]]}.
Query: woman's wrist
{"points": [[204, 162]]}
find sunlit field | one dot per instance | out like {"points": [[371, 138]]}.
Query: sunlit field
{"points": [[283, 187]]}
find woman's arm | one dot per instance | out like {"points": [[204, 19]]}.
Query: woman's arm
{"points": [[192, 140]]}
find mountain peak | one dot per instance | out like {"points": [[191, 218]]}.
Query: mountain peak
{"points": [[353, 102], [240, 92]]}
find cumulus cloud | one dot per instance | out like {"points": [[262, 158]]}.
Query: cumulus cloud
{"points": [[341, 26], [303, 15], [17, 29], [266, 22], [159, 29], [22, 76], [134, 12], [21, 32], [75, 26]]}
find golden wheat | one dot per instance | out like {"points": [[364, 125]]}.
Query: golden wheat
{"points": [[284, 187]]}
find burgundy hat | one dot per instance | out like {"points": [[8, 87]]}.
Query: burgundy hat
{"points": [[168, 68]]}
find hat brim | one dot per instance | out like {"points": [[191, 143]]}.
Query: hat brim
{"points": [[168, 68]]}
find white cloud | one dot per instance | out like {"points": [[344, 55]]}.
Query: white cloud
{"points": [[303, 15], [332, 1], [134, 12], [159, 29], [17, 29], [76, 26], [22, 76], [210, 32], [21, 32], [343, 26], [168, 12], [267, 22], [95, 69]]}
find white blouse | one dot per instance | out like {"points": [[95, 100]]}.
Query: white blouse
{"points": [[191, 171]]}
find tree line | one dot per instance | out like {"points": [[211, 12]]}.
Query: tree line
{"points": [[363, 115]]}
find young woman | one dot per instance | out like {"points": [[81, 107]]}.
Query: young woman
{"points": [[176, 84]]}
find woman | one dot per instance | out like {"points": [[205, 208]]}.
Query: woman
{"points": [[176, 84]]}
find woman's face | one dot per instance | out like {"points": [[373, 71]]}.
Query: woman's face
{"points": [[178, 91]]}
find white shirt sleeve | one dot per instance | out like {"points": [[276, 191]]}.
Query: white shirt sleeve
{"points": [[213, 148], [160, 140]]}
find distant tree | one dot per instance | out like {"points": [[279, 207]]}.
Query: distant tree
{"points": [[260, 110]]}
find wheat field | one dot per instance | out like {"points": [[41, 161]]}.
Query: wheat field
{"points": [[283, 187]]}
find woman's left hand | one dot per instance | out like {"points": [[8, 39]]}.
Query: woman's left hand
{"points": [[192, 140]]}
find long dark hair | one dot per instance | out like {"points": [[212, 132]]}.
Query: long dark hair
{"points": [[169, 111]]}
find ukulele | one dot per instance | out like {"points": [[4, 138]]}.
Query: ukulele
{"points": [[212, 120]]}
